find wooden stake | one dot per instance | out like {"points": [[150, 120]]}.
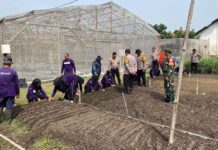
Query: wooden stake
{"points": [[175, 107], [11, 142], [149, 83], [197, 92], [189, 75], [80, 100], [124, 99]]}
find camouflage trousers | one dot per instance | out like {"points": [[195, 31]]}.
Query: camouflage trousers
{"points": [[169, 87]]}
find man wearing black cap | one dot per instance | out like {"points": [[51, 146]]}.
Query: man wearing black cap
{"points": [[96, 69], [9, 88]]}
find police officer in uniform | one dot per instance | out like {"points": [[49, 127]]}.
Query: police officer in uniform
{"points": [[169, 75], [9, 88], [114, 64], [141, 67], [130, 71]]}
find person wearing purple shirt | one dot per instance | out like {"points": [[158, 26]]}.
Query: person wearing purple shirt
{"points": [[36, 92], [107, 80], [9, 88], [68, 84], [68, 65], [92, 86]]}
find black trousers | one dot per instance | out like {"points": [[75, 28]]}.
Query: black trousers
{"points": [[95, 78], [141, 75], [116, 72], [194, 67], [69, 93], [128, 80]]}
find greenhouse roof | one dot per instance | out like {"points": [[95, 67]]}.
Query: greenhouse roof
{"points": [[108, 17]]}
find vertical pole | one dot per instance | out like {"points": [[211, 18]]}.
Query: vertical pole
{"points": [[216, 42], [149, 82], [59, 61], [80, 100], [96, 17], [175, 107], [124, 99], [3, 32], [197, 87], [143, 37], [111, 17]]}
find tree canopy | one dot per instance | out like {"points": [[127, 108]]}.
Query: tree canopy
{"points": [[164, 34]]}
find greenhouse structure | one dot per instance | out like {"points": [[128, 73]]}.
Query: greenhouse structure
{"points": [[39, 38]]}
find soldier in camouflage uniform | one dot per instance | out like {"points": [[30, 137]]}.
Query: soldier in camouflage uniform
{"points": [[169, 75]]}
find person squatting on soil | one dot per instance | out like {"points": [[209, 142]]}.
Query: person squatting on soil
{"points": [[36, 92], [114, 67], [141, 67], [68, 65], [68, 84], [92, 85], [9, 88], [96, 69], [195, 57], [107, 80], [169, 75], [130, 71]]}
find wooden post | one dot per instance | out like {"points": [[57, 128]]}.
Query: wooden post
{"points": [[80, 100], [185, 42], [58, 42], [189, 75], [197, 92], [149, 82], [124, 99]]}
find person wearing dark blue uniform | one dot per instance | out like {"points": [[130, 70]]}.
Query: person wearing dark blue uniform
{"points": [[68, 65], [9, 88], [107, 80], [68, 84], [96, 69], [92, 86], [36, 92]]}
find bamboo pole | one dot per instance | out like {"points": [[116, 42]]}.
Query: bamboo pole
{"points": [[58, 43], [80, 100], [197, 91], [11, 142], [124, 99], [185, 42]]}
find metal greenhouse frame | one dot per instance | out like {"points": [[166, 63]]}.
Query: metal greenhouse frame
{"points": [[39, 38]]}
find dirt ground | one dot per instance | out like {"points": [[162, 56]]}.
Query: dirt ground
{"points": [[87, 128]]}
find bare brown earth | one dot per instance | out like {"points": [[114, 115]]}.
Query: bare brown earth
{"points": [[87, 128]]}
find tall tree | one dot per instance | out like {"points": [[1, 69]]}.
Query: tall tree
{"points": [[162, 30]]}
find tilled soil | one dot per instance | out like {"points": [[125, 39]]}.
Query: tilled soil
{"points": [[88, 128]]}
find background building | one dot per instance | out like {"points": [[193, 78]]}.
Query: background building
{"points": [[210, 33]]}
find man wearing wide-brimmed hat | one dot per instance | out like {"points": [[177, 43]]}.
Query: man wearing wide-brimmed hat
{"points": [[9, 88]]}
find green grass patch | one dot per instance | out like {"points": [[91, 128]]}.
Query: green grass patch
{"points": [[205, 66], [50, 144], [16, 127], [4, 145]]}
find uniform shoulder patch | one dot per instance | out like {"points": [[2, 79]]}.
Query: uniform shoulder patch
{"points": [[126, 61]]}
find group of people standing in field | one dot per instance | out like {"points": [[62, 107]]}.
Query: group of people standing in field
{"points": [[71, 84]]}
